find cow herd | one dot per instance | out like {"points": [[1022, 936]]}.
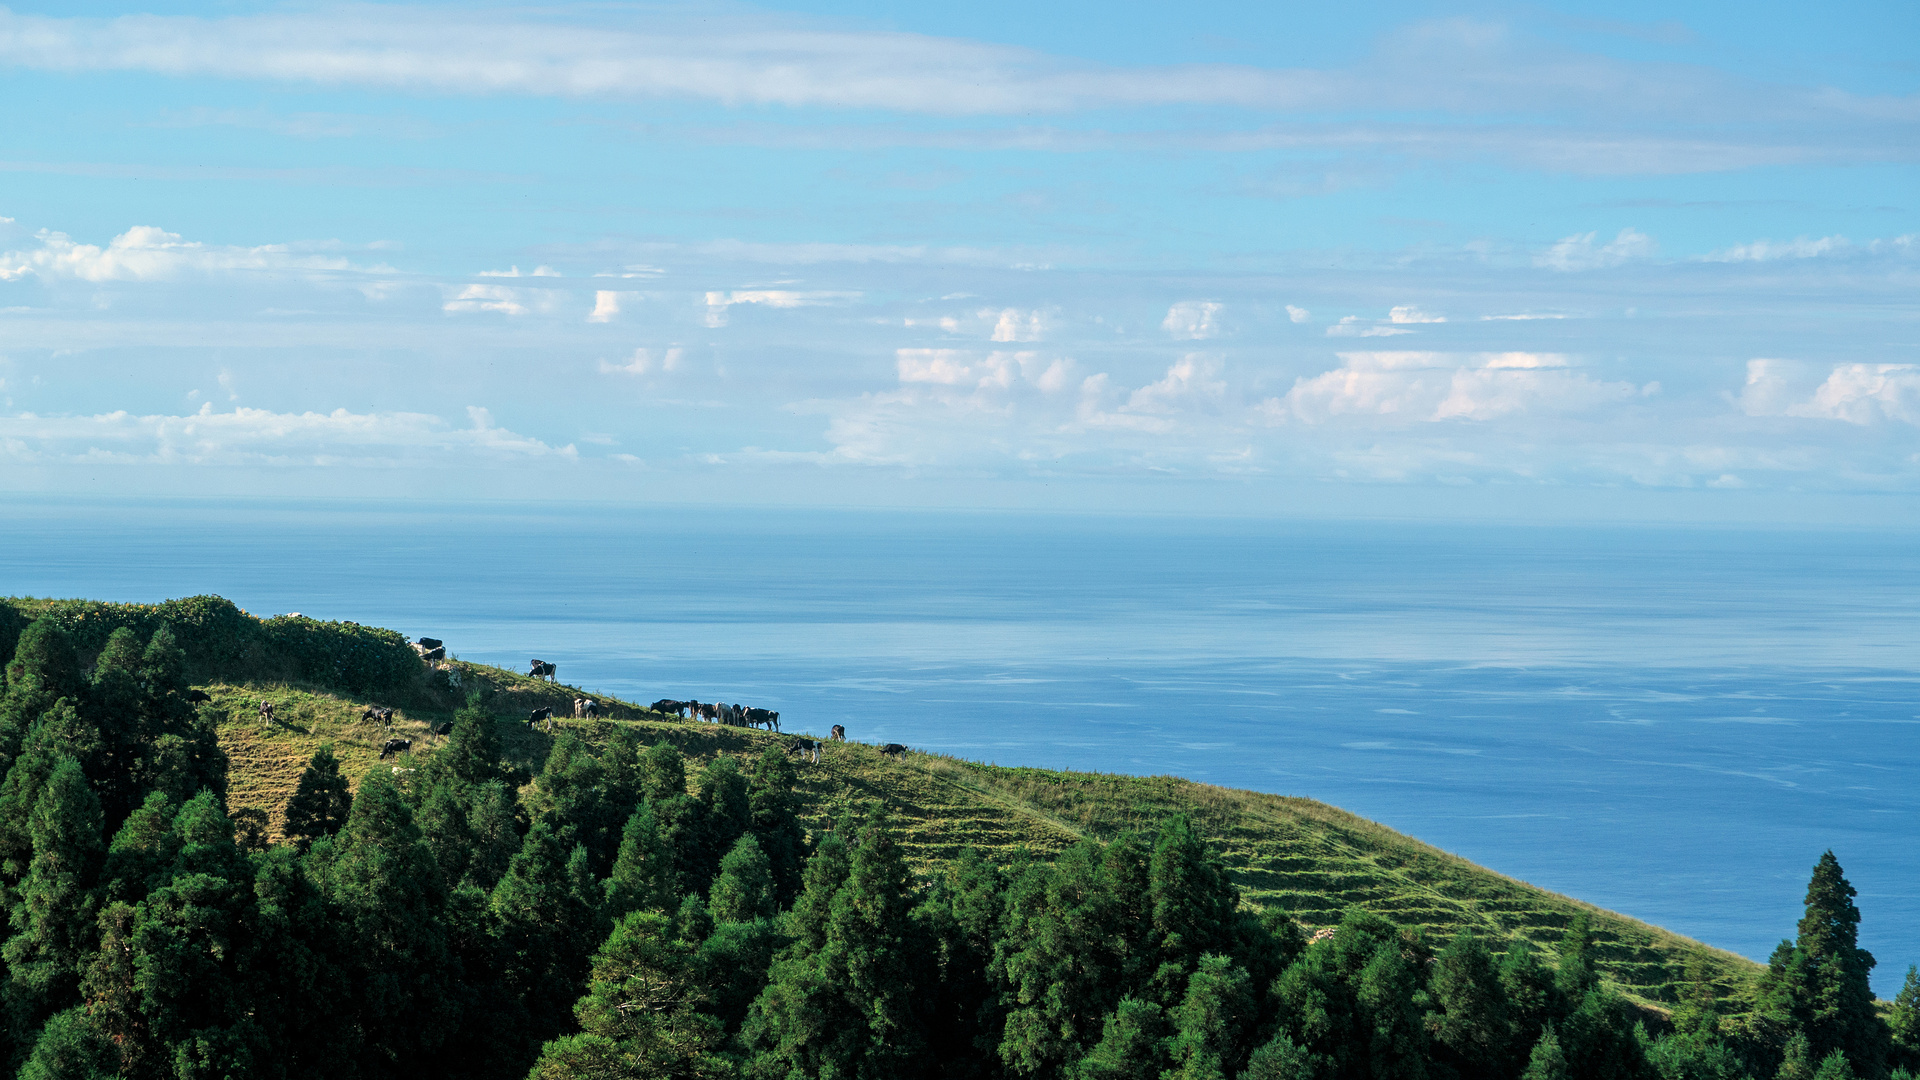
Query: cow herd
{"points": [[719, 713]]}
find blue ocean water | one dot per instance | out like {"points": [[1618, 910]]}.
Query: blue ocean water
{"points": [[1669, 722]]}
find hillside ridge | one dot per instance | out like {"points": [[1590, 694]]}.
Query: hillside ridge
{"points": [[1312, 860]]}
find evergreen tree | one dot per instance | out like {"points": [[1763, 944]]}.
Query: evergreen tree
{"points": [[961, 916], [321, 804], [744, 890], [725, 812], [53, 921], [1281, 1059], [1904, 1021], [847, 1006], [776, 821], [1193, 902], [663, 772], [1574, 975], [43, 670], [473, 747], [642, 877], [1532, 1001], [1132, 1046], [381, 878], [1837, 1010], [1796, 1059], [1396, 1039], [1212, 1022], [71, 1047], [548, 908], [1547, 1062], [1835, 1067], [1471, 1025], [642, 1013]]}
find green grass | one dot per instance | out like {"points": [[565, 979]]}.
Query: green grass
{"points": [[1307, 858]]}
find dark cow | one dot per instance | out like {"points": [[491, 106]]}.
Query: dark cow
{"points": [[384, 717], [444, 728], [537, 715], [668, 706], [893, 749], [197, 696], [839, 734], [807, 748], [756, 717], [430, 643], [266, 712], [540, 669], [395, 746], [438, 652], [593, 709]]}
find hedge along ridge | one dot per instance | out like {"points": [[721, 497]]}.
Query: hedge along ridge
{"points": [[223, 642]]}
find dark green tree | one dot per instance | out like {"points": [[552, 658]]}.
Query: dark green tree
{"points": [[71, 1047], [473, 747], [1547, 1062], [1212, 1024], [1838, 1007], [1904, 1021], [1132, 1046], [1193, 904], [643, 876], [846, 1006], [776, 821], [642, 1013], [53, 922], [1574, 973], [1281, 1059], [1470, 1022], [548, 909], [744, 890], [43, 670], [321, 805]]}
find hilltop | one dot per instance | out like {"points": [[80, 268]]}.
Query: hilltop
{"points": [[1306, 858]]}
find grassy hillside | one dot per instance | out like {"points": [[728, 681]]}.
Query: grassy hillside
{"points": [[1308, 858]]}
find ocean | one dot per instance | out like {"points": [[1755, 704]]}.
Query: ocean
{"points": [[1670, 722]]}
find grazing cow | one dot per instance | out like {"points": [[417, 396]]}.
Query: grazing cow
{"points": [[384, 717], [537, 715], [396, 746], [197, 696], [668, 706], [893, 749], [709, 712], [266, 712], [806, 747], [592, 709], [579, 707], [756, 717], [438, 653], [839, 733], [430, 643], [542, 670], [444, 728]]}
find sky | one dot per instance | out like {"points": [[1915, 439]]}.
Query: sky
{"points": [[1483, 260]]}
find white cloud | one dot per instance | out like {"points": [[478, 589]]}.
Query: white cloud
{"points": [[1013, 324], [1354, 326], [261, 437], [1768, 250], [1298, 314], [1854, 393], [1411, 313], [1581, 252], [1431, 386], [1194, 320], [146, 253], [538, 271], [719, 301], [500, 298], [643, 362], [1193, 381], [606, 304]]}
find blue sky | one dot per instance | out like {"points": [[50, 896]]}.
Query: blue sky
{"points": [[1482, 260]]}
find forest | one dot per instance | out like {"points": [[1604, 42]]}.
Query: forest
{"points": [[621, 913]]}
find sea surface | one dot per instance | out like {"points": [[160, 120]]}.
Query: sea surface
{"points": [[1673, 723]]}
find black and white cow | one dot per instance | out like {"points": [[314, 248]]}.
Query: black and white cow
{"points": [[430, 643], [893, 749], [396, 746], [807, 748], [537, 715], [443, 729], [756, 717], [540, 669], [839, 733], [668, 706]]}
